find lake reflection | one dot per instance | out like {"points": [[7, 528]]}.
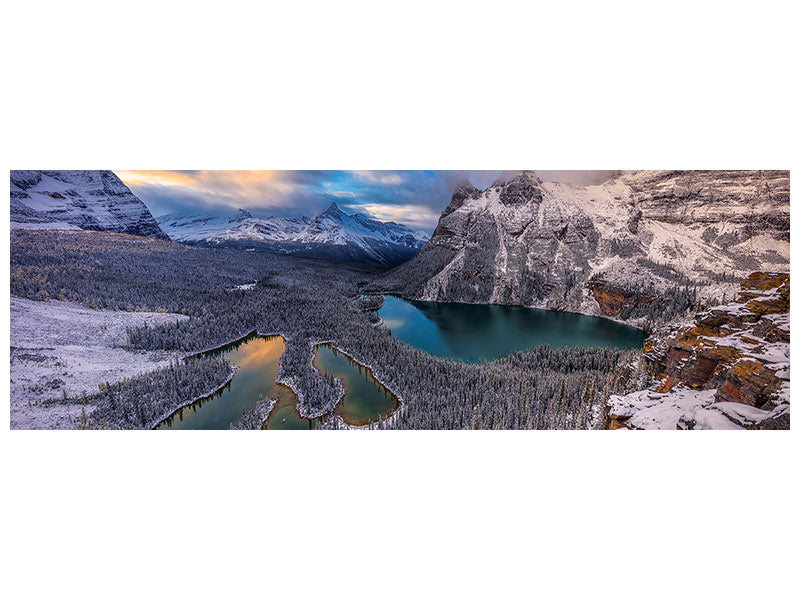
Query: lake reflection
{"points": [[480, 332], [257, 359]]}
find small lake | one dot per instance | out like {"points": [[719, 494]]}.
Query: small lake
{"points": [[365, 399], [483, 332], [257, 359]]}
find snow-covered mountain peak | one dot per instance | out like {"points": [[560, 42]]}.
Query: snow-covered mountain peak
{"points": [[333, 211], [507, 177]]}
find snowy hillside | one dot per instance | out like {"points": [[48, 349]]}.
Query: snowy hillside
{"points": [[331, 234], [601, 249], [95, 200]]}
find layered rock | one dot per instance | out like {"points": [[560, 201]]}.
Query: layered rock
{"points": [[95, 200], [523, 241], [732, 360]]}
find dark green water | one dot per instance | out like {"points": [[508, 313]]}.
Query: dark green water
{"points": [[257, 359], [482, 332], [365, 398]]}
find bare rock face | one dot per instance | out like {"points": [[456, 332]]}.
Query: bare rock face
{"points": [[613, 300], [95, 200], [754, 199], [526, 242]]}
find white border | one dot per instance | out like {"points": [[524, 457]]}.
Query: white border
{"points": [[468, 85]]}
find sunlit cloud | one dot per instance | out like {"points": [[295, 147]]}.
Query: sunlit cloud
{"points": [[413, 215], [342, 193], [165, 178]]}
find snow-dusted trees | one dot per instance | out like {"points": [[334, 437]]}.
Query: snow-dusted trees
{"points": [[255, 418], [307, 302], [143, 402]]}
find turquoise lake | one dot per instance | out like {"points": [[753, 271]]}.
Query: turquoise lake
{"points": [[483, 332]]}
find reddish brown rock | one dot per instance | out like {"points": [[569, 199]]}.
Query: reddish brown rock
{"points": [[692, 356], [748, 382], [613, 299], [754, 287]]}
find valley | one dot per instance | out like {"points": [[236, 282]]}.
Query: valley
{"points": [[306, 302], [654, 300]]}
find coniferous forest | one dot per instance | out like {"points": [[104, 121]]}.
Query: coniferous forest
{"points": [[306, 301]]}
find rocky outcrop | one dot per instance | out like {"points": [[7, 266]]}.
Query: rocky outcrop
{"points": [[735, 354], [526, 242], [95, 200], [613, 300]]}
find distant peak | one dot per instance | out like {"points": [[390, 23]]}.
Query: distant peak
{"points": [[244, 213], [333, 210]]}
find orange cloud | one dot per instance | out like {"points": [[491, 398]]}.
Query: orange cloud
{"points": [[196, 178], [134, 178]]}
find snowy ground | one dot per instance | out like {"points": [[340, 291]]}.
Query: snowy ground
{"points": [[683, 408], [47, 225], [59, 347]]}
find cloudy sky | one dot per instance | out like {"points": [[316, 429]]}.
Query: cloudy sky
{"points": [[414, 198]]}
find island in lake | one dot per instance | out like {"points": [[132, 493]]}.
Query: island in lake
{"points": [[517, 300]]}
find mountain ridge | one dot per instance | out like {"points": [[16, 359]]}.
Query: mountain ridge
{"points": [[330, 234]]}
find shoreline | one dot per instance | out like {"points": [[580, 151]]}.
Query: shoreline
{"points": [[194, 400], [372, 374], [227, 381], [574, 312]]}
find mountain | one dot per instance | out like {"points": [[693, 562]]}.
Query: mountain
{"points": [[609, 249], [331, 234], [196, 229], [95, 200]]}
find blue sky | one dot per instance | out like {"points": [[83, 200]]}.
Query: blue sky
{"points": [[414, 198]]}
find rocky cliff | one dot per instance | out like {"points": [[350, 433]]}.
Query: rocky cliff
{"points": [[603, 249], [726, 368], [95, 200]]}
